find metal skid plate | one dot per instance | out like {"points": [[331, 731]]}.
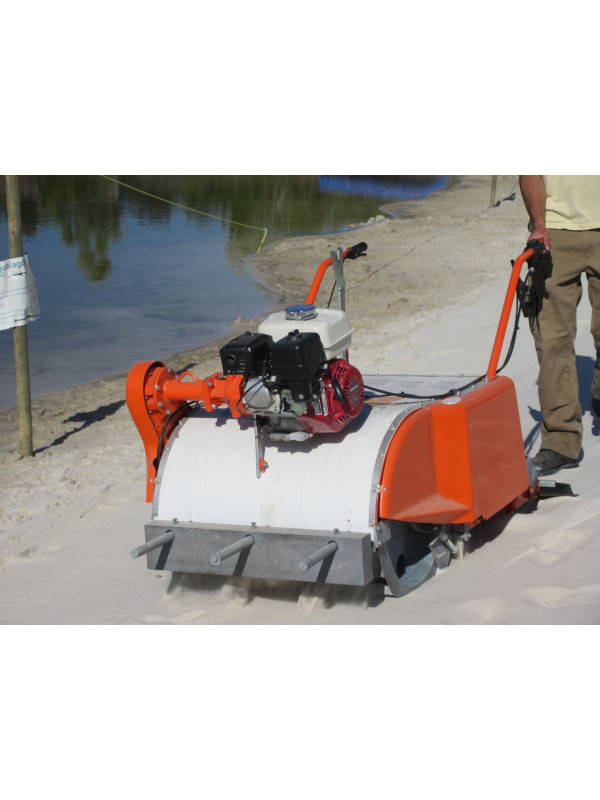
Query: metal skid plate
{"points": [[276, 553]]}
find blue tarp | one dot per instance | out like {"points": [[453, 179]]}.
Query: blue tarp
{"points": [[392, 187]]}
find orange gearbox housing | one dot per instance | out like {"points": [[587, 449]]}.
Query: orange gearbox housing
{"points": [[157, 398]]}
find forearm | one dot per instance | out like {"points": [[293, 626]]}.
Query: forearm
{"points": [[533, 191]]}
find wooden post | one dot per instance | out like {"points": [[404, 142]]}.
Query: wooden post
{"points": [[15, 250], [493, 191]]}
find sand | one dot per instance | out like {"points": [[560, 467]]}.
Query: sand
{"points": [[425, 299]]}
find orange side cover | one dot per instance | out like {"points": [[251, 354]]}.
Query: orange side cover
{"points": [[457, 460]]}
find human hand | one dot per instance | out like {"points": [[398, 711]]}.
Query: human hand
{"points": [[542, 234]]}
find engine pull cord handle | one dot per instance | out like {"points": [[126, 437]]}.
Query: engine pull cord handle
{"points": [[528, 253], [352, 252]]}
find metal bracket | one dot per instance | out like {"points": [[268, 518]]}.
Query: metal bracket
{"points": [[550, 488], [443, 548], [337, 261], [261, 464]]}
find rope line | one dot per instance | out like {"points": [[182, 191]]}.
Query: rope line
{"points": [[265, 231], [179, 205]]}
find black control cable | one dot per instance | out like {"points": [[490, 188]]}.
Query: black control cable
{"points": [[459, 389]]}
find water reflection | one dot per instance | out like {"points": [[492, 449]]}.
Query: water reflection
{"points": [[86, 211], [125, 275], [89, 210]]}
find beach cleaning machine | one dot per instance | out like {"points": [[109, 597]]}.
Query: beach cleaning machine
{"points": [[289, 464]]}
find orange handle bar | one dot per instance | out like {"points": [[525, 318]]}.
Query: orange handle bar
{"points": [[352, 252], [508, 301], [316, 284]]}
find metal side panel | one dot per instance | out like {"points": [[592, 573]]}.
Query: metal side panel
{"points": [[276, 553]]}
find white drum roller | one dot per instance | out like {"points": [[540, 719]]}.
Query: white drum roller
{"points": [[208, 474], [286, 465]]}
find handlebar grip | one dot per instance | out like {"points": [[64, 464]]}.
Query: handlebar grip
{"points": [[355, 251], [537, 245]]}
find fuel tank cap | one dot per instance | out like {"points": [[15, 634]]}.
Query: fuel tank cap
{"points": [[301, 311]]}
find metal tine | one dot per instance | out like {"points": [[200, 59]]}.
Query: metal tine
{"points": [[158, 541], [318, 555], [237, 547]]}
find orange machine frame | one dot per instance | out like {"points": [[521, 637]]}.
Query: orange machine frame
{"points": [[456, 460], [460, 459]]}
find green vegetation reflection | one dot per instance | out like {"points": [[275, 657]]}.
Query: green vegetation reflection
{"points": [[88, 210]]}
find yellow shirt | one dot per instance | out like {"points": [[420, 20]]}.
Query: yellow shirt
{"points": [[573, 202]]}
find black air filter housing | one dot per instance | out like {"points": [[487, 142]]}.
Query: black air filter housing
{"points": [[295, 361], [246, 354]]}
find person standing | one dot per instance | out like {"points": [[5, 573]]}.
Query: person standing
{"points": [[564, 213]]}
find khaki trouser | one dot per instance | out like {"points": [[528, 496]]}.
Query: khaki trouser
{"points": [[573, 253]]}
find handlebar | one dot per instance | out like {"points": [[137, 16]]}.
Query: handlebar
{"points": [[356, 250], [508, 301], [537, 245], [352, 252]]}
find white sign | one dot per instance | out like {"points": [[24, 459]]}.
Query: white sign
{"points": [[18, 293]]}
